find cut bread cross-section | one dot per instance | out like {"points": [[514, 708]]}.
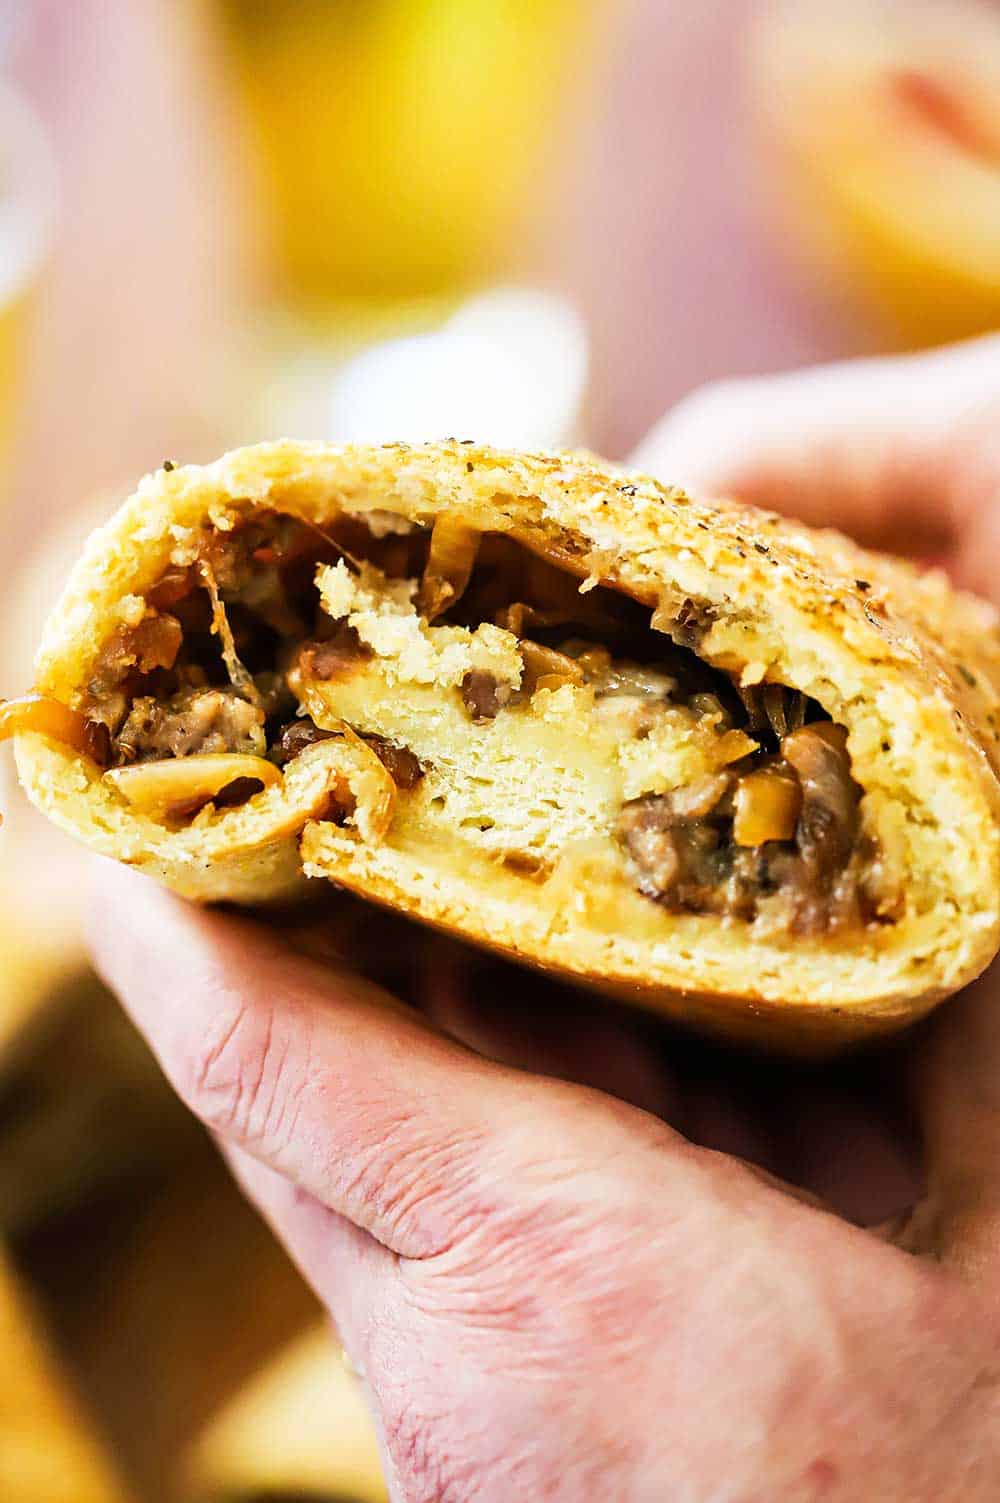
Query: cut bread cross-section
{"points": [[689, 754]]}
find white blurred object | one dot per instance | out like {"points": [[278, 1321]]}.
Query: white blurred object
{"points": [[509, 368], [27, 194]]}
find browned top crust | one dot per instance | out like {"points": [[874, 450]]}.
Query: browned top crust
{"points": [[891, 612], [908, 664]]}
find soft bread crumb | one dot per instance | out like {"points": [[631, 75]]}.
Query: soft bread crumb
{"points": [[384, 614]]}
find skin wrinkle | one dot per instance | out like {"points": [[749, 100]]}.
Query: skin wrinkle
{"points": [[611, 1311], [407, 1437], [555, 1226], [471, 1171], [409, 1422], [411, 1179], [246, 1086], [252, 1071], [583, 1298], [238, 1068], [603, 1348], [469, 1454], [380, 1176], [205, 1064], [285, 1108], [573, 1329], [574, 1236], [444, 1464], [567, 1180], [680, 1200]]}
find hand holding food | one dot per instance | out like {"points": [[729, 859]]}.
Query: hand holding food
{"points": [[548, 1291]]}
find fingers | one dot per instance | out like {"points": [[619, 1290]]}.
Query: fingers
{"points": [[957, 1091], [901, 453], [851, 1148], [534, 1023], [315, 1073]]}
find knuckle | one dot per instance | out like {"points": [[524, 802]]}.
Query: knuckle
{"points": [[426, 1188]]}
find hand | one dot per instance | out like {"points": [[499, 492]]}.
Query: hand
{"points": [[548, 1290], [903, 454], [551, 1293]]}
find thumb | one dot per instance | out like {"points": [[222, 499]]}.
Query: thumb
{"points": [[902, 453], [334, 1085]]}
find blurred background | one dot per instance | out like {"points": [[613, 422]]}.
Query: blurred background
{"points": [[537, 222]]}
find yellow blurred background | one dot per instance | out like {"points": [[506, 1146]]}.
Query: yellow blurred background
{"points": [[533, 221]]}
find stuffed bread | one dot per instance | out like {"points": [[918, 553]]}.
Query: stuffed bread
{"points": [[688, 753]]}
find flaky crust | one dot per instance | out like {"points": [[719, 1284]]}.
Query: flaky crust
{"points": [[911, 666]]}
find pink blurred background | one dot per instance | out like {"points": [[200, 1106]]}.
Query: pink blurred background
{"points": [[542, 221]]}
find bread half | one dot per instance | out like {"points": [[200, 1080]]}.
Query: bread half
{"points": [[690, 754]]}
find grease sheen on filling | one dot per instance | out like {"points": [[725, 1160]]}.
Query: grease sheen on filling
{"points": [[513, 710]]}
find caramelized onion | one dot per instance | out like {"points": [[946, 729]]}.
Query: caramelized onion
{"points": [[174, 586], [516, 616], [548, 664], [827, 730], [767, 807], [828, 824], [733, 746], [519, 617], [405, 769], [450, 561], [182, 783], [238, 675], [594, 660], [156, 641], [773, 707], [685, 619], [784, 708], [49, 717], [697, 800], [372, 787]]}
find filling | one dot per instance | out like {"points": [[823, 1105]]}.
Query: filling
{"points": [[514, 709]]}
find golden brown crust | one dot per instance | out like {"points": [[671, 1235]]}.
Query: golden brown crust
{"points": [[911, 666]]}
